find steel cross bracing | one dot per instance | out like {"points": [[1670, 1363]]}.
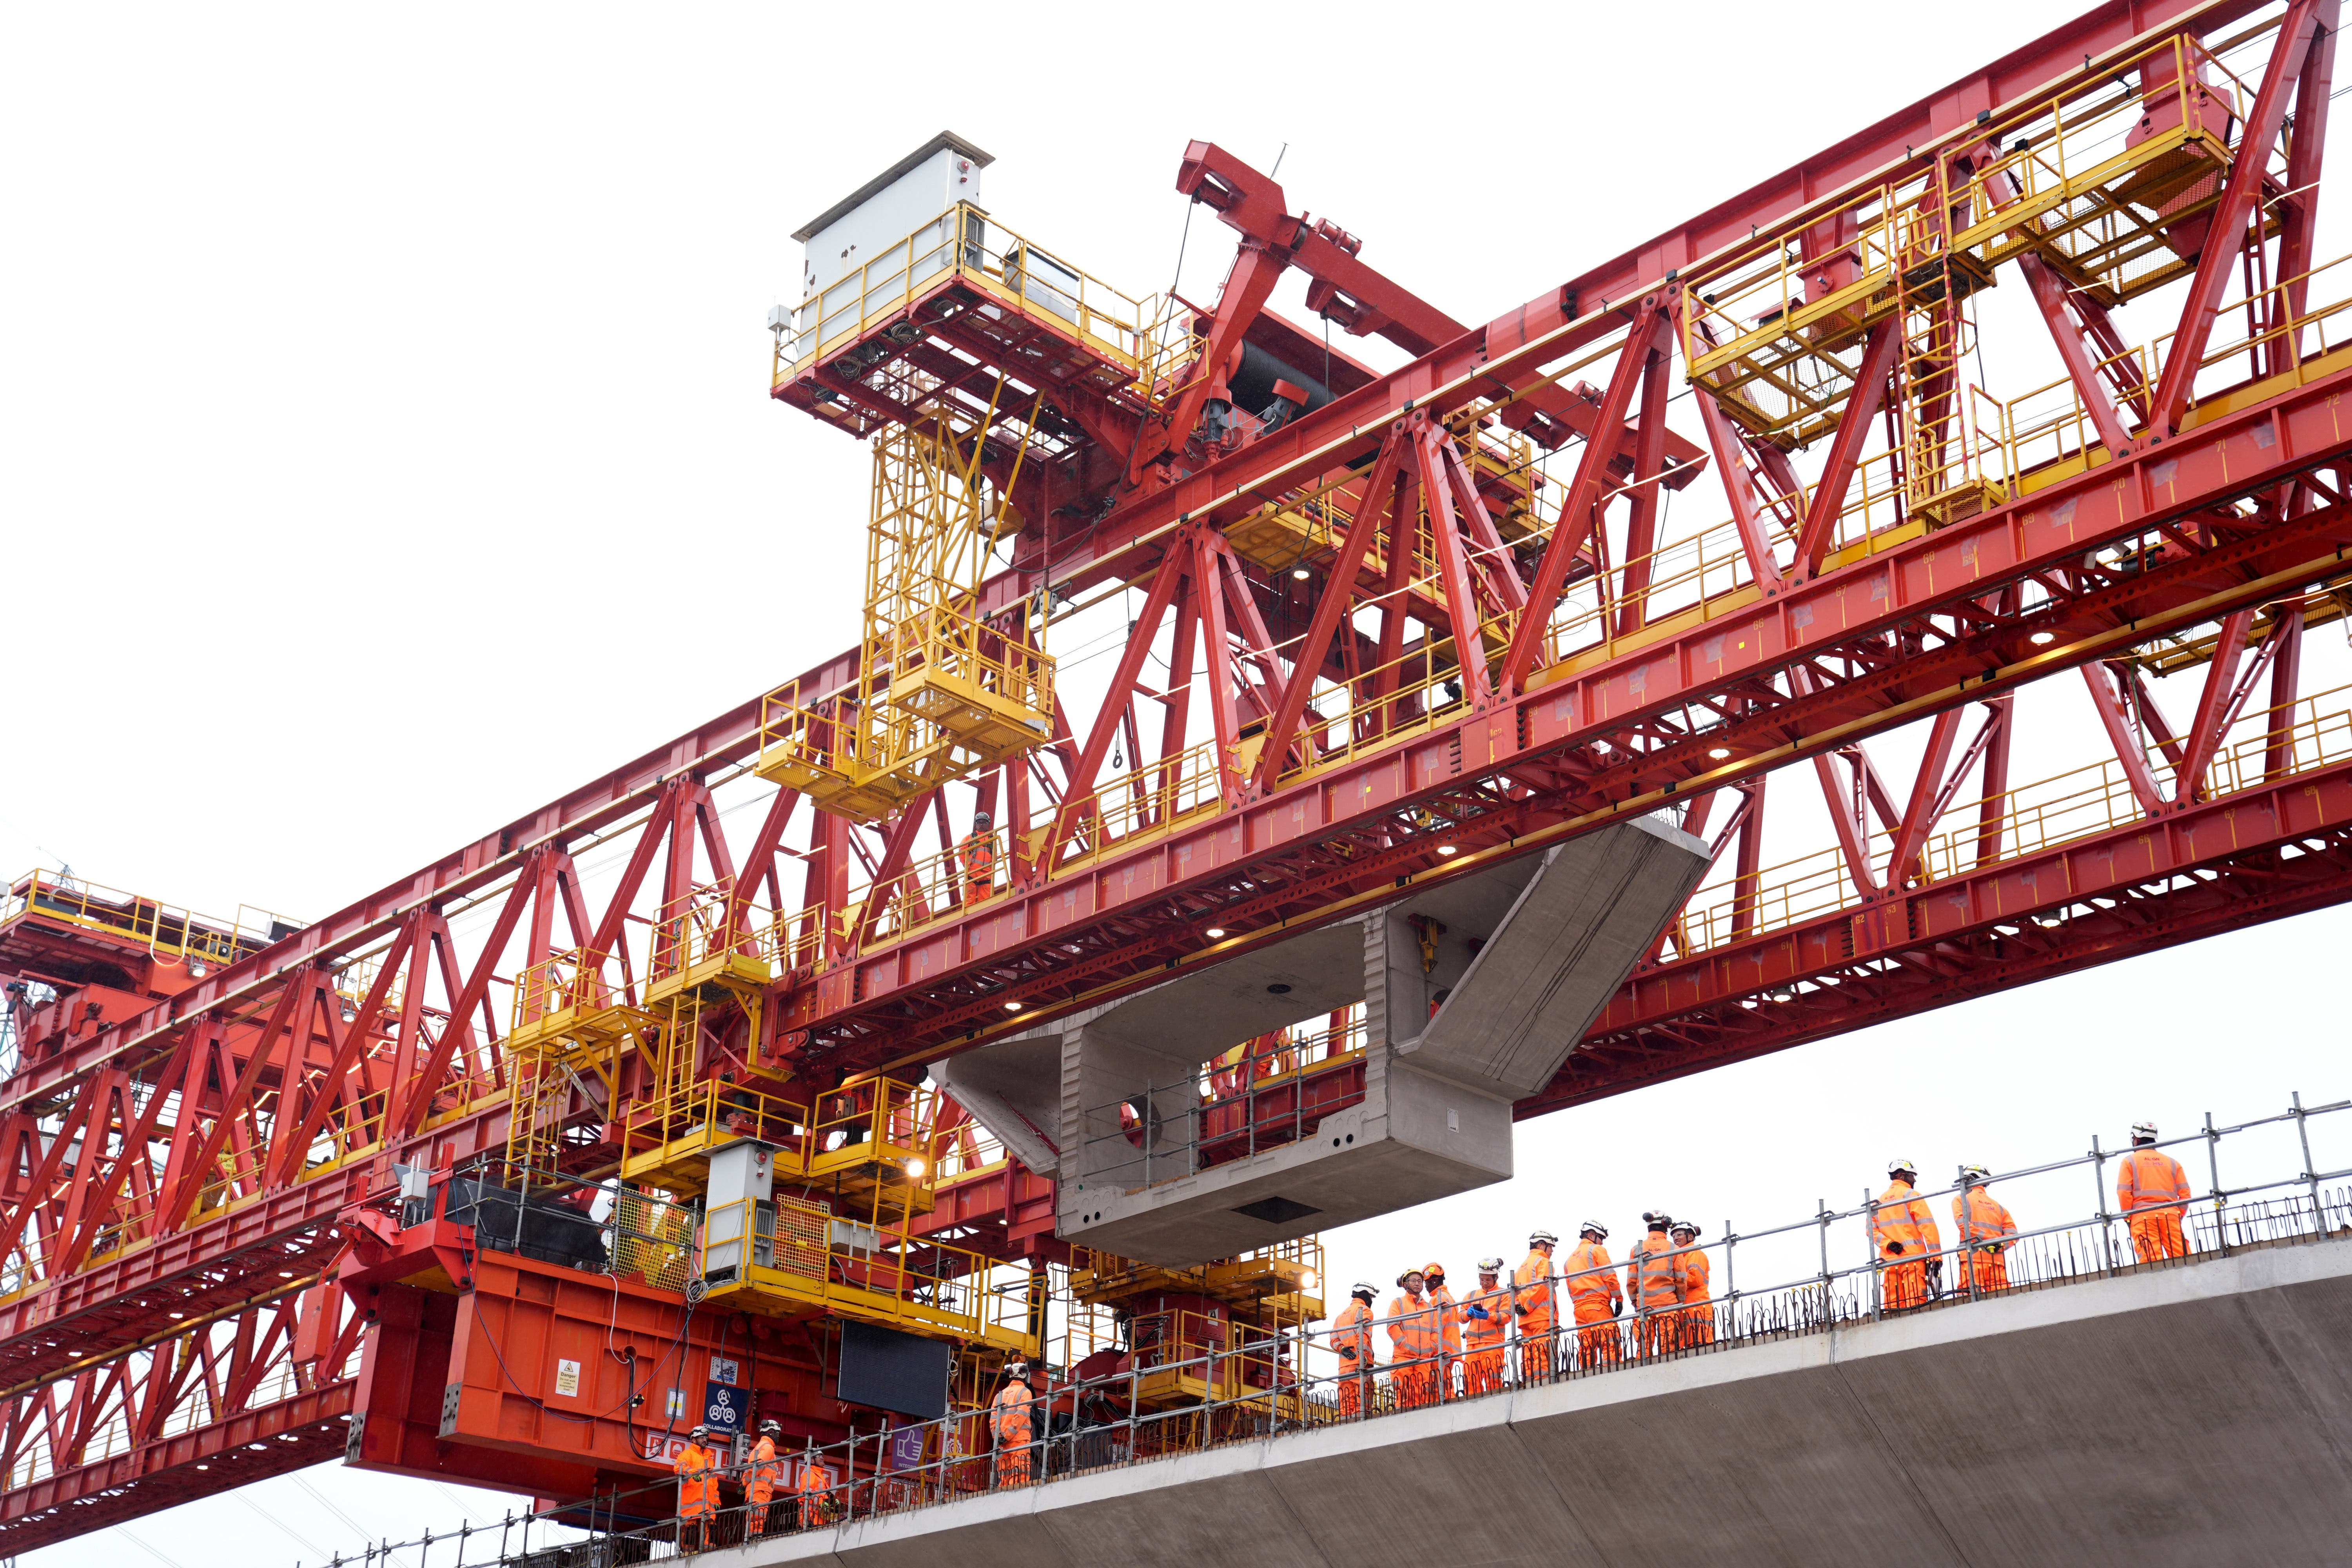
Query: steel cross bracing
{"points": [[2170, 513]]}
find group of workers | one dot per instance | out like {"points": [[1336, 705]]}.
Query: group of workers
{"points": [[699, 1465], [1445, 1346]]}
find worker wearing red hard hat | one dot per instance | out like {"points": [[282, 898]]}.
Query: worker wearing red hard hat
{"points": [[1449, 1328]]}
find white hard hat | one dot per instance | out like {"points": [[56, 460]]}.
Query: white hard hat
{"points": [[1536, 1236], [1595, 1228], [1365, 1289], [2143, 1129], [1490, 1266], [1689, 1225], [1973, 1173], [1902, 1167], [1657, 1219], [771, 1425], [700, 1431]]}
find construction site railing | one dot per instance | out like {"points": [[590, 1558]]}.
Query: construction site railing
{"points": [[1818, 1273]]}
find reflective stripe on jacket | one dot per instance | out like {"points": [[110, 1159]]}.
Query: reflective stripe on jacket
{"points": [[1531, 1293], [1009, 1415], [765, 1470], [1412, 1329], [698, 1488], [1487, 1333], [1655, 1273], [1693, 1263], [1449, 1319], [1351, 1336], [1594, 1290], [1904, 1218], [1979, 1217], [2150, 1177]]}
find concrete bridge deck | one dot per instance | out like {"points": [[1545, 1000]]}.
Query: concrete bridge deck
{"points": [[2196, 1413]]}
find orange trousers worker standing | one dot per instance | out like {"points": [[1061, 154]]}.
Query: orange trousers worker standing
{"points": [[1593, 1298], [1487, 1319], [2153, 1191], [1414, 1344], [1904, 1230], [1695, 1320], [697, 1489], [1986, 1229], [1351, 1340], [1535, 1307]]}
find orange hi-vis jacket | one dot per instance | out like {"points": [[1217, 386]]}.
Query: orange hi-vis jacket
{"points": [[1980, 1219], [1592, 1296], [1009, 1415], [2150, 1178], [1654, 1273], [1531, 1294], [1693, 1263], [977, 855], [1449, 1319], [764, 1472], [1487, 1333], [1905, 1219], [1351, 1336], [698, 1483], [1413, 1324]]}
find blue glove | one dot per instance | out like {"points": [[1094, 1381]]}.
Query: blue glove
{"points": [[1479, 1313]]}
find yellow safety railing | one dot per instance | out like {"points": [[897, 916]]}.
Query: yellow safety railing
{"points": [[171, 934], [803, 1252], [2078, 804], [965, 243]]}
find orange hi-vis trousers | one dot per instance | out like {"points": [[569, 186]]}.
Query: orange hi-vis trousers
{"points": [[1903, 1285], [2156, 1233], [1984, 1270], [1482, 1370], [1598, 1343], [1536, 1340]]}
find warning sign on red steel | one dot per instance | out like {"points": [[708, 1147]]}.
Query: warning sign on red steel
{"points": [[661, 1448]]}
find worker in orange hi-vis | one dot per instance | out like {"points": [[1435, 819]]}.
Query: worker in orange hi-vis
{"points": [[697, 1488], [1449, 1328], [1593, 1298], [2153, 1191], [812, 1484], [976, 855], [1535, 1306], [1013, 1425], [1413, 1343], [1985, 1231], [762, 1471], [1654, 1278], [1351, 1342], [1903, 1229], [1695, 1324], [1486, 1320]]}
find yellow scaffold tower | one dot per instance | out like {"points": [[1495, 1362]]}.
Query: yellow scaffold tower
{"points": [[941, 694]]}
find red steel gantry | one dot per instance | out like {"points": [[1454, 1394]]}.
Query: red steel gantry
{"points": [[188, 1148]]}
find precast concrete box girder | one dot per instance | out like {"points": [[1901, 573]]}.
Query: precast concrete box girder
{"points": [[1475, 991]]}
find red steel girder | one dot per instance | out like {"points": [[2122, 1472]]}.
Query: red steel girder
{"points": [[291, 1434], [2278, 849], [1069, 923]]}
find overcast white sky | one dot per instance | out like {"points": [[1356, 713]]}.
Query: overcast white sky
{"points": [[385, 448]]}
